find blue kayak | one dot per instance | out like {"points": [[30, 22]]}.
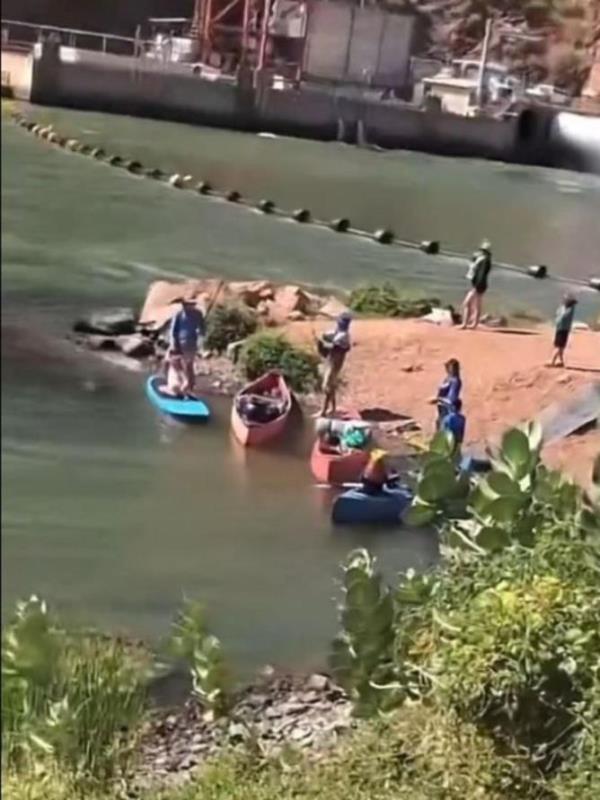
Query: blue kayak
{"points": [[354, 507], [182, 409]]}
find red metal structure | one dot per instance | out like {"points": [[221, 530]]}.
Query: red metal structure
{"points": [[251, 34]]}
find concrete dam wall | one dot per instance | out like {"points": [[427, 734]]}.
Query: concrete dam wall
{"points": [[84, 79]]}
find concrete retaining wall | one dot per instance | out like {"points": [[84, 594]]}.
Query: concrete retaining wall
{"points": [[90, 80], [83, 79]]}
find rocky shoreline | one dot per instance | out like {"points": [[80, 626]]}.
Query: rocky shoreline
{"points": [[277, 712]]}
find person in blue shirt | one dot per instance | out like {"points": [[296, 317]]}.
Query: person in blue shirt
{"points": [[449, 391], [187, 327], [455, 423], [564, 323]]}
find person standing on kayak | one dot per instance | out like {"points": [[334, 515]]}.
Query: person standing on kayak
{"points": [[478, 275], [334, 346], [187, 327]]}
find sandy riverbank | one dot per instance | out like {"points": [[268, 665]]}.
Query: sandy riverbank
{"points": [[398, 364]]}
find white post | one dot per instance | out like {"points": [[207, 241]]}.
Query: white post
{"points": [[483, 61]]}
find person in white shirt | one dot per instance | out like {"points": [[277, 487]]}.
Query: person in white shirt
{"points": [[334, 346]]}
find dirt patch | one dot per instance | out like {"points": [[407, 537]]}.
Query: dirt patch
{"points": [[397, 365]]}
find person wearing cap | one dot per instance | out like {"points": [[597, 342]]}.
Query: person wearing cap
{"points": [[478, 275], [187, 326], [564, 323], [376, 475], [334, 346]]}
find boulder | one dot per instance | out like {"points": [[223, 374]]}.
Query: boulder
{"points": [[250, 292], [97, 342], [263, 309], [135, 346], [113, 322], [287, 300], [332, 308], [158, 306]]}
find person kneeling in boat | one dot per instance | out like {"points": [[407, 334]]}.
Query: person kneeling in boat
{"points": [[455, 423], [377, 475]]}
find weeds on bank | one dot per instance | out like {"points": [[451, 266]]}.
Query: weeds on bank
{"points": [[76, 698]]}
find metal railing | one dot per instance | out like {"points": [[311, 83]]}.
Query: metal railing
{"points": [[16, 33]]}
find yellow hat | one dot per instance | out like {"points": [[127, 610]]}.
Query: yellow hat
{"points": [[378, 454]]}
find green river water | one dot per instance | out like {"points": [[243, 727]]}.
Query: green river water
{"points": [[111, 513]]}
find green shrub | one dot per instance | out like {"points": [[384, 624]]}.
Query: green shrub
{"points": [[387, 301], [76, 698], [192, 641], [227, 324], [266, 351], [506, 630]]}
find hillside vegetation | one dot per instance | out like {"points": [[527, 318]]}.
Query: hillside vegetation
{"points": [[562, 34]]}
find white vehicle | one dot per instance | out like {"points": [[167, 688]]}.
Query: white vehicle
{"points": [[549, 94]]}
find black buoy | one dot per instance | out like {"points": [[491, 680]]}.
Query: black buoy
{"points": [[84, 149], [133, 166], [154, 172], [340, 225], [432, 248], [384, 236], [97, 152], [538, 271], [204, 187], [595, 283], [266, 206], [233, 196], [115, 161], [301, 215]]}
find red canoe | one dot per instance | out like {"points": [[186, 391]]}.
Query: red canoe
{"points": [[254, 433], [337, 469]]}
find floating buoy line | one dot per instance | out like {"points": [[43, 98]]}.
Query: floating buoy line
{"points": [[383, 236]]}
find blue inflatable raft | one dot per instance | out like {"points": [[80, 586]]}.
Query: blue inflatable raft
{"points": [[181, 409], [357, 508]]}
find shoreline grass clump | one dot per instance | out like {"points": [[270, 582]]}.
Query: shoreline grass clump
{"points": [[227, 324], [73, 697], [386, 300], [268, 351]]}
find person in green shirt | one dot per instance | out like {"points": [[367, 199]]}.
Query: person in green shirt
{"points": [[478, 275]]}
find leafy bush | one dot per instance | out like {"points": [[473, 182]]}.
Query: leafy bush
{"points": [[266, 351], [227, 324], [506, 631], [386, 301], [191, 640], [78, 698]]}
